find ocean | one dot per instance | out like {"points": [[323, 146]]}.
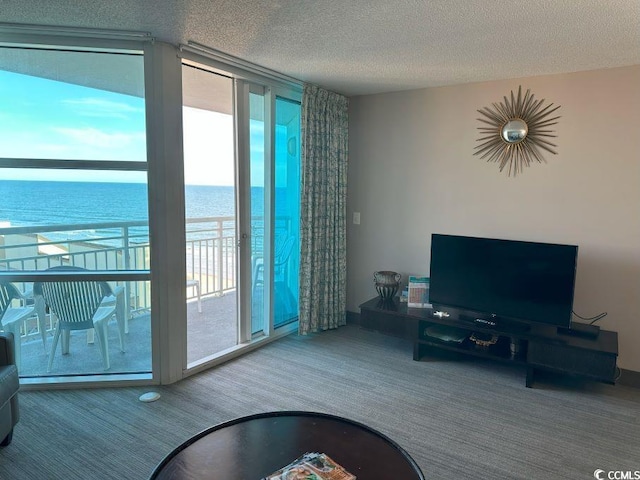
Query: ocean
{"points": [[29, 203], [48, 203]]}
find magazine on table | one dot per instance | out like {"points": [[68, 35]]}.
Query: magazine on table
{"points": [[312, 466]]}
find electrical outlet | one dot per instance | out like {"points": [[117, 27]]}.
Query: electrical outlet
{"points": [[356, 218]]}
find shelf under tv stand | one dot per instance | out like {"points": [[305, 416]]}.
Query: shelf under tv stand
{"points": [[540, 347]]}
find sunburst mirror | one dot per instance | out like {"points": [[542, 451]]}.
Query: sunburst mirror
{"points": [[518, 132]]}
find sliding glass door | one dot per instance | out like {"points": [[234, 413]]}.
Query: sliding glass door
{"points": [[287, 211], [258, 196], [242, 174], [274, 163], [210, 213]]}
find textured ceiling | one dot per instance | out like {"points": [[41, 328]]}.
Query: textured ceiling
{"points": [[376, 46]]}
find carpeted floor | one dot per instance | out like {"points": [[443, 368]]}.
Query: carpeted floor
{"points": [[459, 418]]}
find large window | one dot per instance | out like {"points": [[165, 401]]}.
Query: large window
{"points": [[74, 210], [122, 163]]}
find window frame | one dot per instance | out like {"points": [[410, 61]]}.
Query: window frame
{"points": [[79, 40]]}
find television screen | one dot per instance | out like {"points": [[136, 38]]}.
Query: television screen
{"points": [[508, 279]]}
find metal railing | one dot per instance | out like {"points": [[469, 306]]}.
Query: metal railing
{"points": [[211, 253], [210, 245], [124, 246]]}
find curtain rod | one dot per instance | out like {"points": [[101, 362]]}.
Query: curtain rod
{"points": [[196, 47], [18, 28]]}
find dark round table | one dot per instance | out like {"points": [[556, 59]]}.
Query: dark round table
{"points": [[250, 448]]}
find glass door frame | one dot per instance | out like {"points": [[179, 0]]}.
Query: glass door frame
{"points": [[247, 81], [243, 91], [209, 131], [271, 93]]}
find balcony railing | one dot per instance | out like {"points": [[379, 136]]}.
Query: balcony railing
{"points": [[210, 249]]}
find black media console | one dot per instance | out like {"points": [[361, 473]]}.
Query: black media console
{"points": [[540, 347]]}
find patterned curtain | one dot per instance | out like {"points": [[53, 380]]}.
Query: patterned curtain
{"points": [[323, 217]]}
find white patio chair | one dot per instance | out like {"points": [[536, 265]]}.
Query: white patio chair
{"points": [[81, 305], [11, 317], [195, 284], [282, 252], [26, 298]]}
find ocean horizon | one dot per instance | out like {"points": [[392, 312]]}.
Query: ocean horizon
{"points": [[37, 203]]}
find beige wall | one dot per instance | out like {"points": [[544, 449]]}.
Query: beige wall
{"points": [[412, 173]]}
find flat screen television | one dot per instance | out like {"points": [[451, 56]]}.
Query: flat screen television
{"points": [[503, 280]]}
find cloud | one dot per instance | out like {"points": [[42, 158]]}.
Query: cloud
{"points": [[98, 138], [100, 107]]}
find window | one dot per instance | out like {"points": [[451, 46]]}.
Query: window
{"points": [[74, 186], [91, 175]]}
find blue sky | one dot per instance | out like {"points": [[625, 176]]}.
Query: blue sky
{"points": [[43, 118], [49, 119]]}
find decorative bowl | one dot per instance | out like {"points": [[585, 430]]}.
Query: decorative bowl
{"points": [[387, 283]]}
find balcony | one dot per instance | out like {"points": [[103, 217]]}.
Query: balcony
{"points": [[124, 246]]}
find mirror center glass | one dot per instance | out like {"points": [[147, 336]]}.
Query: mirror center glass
{"points": [[515, 130]]}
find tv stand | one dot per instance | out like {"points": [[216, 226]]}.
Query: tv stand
{"points": [[495, 324], [539, 347], [580, 330]]}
